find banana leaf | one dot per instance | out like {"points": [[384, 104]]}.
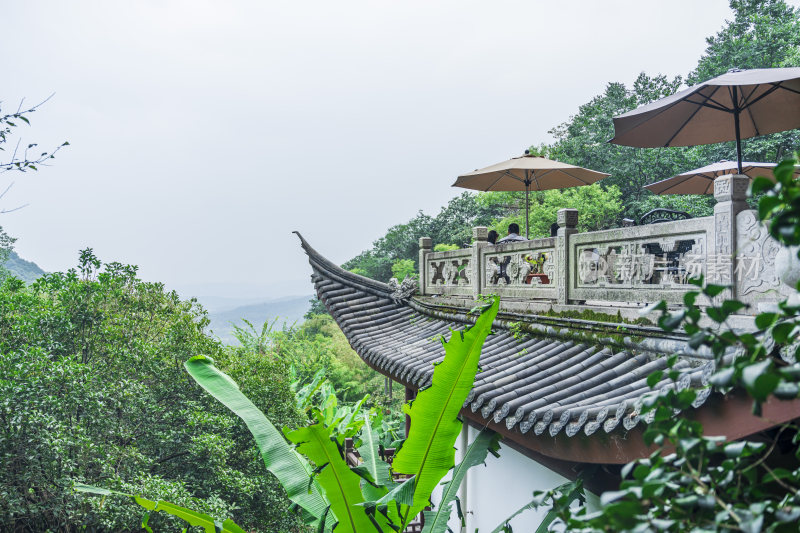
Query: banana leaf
{"points": [[486, 441], [292, 471], [569, 492], [193, 518], [341, 485], [428, 452], [378, 471], [377, 474]]}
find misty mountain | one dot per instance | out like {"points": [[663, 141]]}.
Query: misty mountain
{"points": [[287, 310], [28, 271]]}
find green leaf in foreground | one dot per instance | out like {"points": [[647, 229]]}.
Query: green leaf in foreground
{"points": [[193, 518], [286, 464], [428, 453], [486, 441], [341, 484]]}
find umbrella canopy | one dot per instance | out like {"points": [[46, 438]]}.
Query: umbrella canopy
{"points": [[701, 180], [737, 105], [526, 173]]}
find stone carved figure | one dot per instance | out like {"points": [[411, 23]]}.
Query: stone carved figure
{"points": [[404, 290]]}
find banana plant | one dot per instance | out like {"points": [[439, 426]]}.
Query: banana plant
{"points": [[365, 499], [428, 452]]}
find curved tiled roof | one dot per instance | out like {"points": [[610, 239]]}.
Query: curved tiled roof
{"points": [[541, 383]]}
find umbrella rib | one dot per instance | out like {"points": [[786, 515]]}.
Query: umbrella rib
{"points": [[660, 111], [795, 91], [752, 120], [717, 106], [766, 93], [505, 173], [688, 119], [575, 177], [675, 185], [489, 188]]}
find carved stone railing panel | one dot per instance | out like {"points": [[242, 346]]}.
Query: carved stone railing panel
{"points": [[448, 272], [522, 269], [756, 277], [640, 263]]}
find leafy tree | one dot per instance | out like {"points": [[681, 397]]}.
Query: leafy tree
{"points": [[403, 268], [599, 208], [6, 247], [316, 308], [583, 141], [762, 34], [92, 389], [364, 499], [452, 225]]}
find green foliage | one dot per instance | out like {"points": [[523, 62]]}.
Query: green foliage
{"points": [[286, 464], [762, 34], [92, 390], [333, 495], [316, 308], [6, 249], [404, 268], [193, 518], [583, 140], [486, 442], [453, 225], [599, 207], [442, 247], [30, 156], [703, 483], [428, 452], [340, 484]]}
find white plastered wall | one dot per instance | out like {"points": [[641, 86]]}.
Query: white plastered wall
{"points": [[495, 491]]}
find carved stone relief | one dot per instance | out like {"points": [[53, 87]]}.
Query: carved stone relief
{"points": [[664, 262], [756, 256], [450, 272], [520, 269]]}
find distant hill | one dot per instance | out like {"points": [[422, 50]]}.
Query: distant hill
{"points": [[288, 311], [27, 271]]}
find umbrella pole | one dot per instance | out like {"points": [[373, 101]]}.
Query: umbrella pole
{"points": [[736, 126], [527, 208]]}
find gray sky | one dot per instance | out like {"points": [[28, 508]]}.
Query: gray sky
{"points": [[202, 133]]}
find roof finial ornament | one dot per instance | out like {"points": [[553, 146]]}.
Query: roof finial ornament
{"points": [[402, 291]]}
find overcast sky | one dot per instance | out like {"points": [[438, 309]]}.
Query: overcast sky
{"points": [[202, 133]]}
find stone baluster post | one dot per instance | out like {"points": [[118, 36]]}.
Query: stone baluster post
{"points": [[730, 192], [567, 225], [475, 274], [425, 246]]}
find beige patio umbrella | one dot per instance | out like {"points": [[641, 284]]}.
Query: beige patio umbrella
{"points": [[701, 180], [737, 105], [526, 173]]}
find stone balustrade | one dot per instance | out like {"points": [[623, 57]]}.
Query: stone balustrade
{"points": [[628, 265]]}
